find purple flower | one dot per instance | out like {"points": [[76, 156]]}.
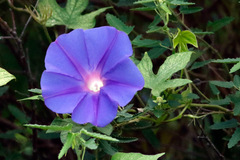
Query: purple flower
{"points": [[89, 73]]}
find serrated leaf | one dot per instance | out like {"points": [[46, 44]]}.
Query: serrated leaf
{"points": [[125, 2], [143, 1], [223, 125], [224, 101], [67, 145], [183, 38], [98, 135], [55, 128], [5, 77], [18, 114], [235, 138], [190, 10], [107, 148], [180, 3], [235, 68], [117, 23], [71, 15], [135, 156], [143, 9], [200, 64], [126, 139], [218, 24], [35, 90], [149, 43], [222, 84], [228, 60], [203, 33]]}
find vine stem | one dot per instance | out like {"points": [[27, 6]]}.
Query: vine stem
{"points": [[47, 34]]}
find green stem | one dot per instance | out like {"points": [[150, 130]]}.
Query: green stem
{"points": [[83, 154], [210, 106], [47, 34], [195, 87], [188, 77], [140, 100]]}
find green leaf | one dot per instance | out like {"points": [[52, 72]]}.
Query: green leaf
{"points": [[98, 135], [190, 10], [143, 1], [236, 81], [107, 148], [55, 128], [18, 114], [200, 64], [91, 144], [218, 24], [67, 145], [235, 99], [183, 38], [235, 138], [71, 15], [224, 101], [172, 84], [214, 89], [159, 82], [223, 125], [5, 77], [117, 23], [106, 130], [145, 66], [180, 3], [222, 84], [3, 90], [126, 139], [135, 156], [149, 43], [227, 60], [36, 97], [235, 68], [35, 90], [172, 64]]}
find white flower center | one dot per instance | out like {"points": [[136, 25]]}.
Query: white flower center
{"points": [[95, 85]]}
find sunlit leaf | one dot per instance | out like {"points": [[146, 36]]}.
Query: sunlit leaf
{"points": [[135, 156], [5, 77], [183, 38]]}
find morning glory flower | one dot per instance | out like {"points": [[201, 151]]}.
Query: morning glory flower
{"points": [[89, 74]]}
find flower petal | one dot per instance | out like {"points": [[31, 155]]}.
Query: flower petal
{"points": [[74, 47], [57, 61], [120, 93], [127, 73], [98, 41], [121, 49], [54, 84], [97, 109], [64, 103]]}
